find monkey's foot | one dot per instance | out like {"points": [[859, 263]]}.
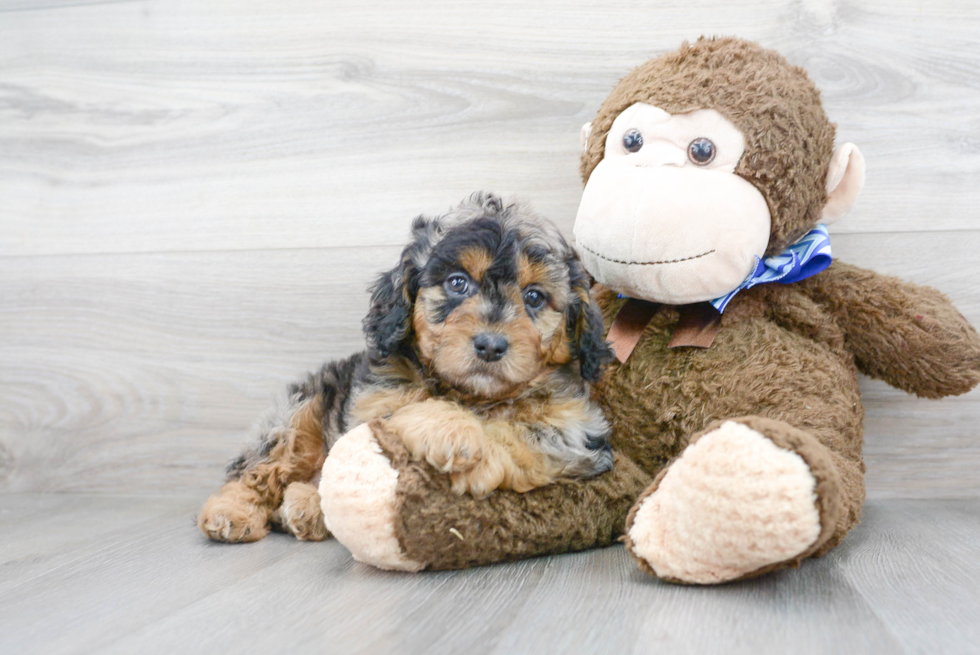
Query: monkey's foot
{"points": [[733, 505]]}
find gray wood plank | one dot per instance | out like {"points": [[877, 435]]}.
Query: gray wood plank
{"points": [[193, 304], [39, 5], [37, 532], [354, 609], [222, 125], [904, 582], [582, 603], [110, 422], [916, 563], [811, 610], [158, 366], [920, 448], [74, 595]]}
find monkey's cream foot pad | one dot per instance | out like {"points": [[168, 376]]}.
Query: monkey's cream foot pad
{"points": [[732, 504]]}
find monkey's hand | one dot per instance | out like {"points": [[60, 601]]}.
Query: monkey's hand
{"points": [[910, 336]]}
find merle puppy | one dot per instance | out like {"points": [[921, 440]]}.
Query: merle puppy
{"points": [[480, 346]]}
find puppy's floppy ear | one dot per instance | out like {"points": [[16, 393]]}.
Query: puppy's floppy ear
{"points": [[585, 326], [388, 324]]}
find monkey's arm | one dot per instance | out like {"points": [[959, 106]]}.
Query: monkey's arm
{"points": [[908, 335], [395, 512]]}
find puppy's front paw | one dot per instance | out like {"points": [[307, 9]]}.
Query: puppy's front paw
{"points": [[231, 517], [479, 481], [511, 466], [450, 453], [449, 439]]}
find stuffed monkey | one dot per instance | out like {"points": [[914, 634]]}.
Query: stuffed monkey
{"points": [[710, 175]]}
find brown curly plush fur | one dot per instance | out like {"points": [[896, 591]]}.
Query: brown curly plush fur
{"points": [[448, 531]]}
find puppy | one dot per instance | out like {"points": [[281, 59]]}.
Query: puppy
{"points": [[480, 346]]}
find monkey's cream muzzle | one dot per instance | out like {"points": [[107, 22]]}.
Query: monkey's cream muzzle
{"points": [[654, 224], [670, 234]]}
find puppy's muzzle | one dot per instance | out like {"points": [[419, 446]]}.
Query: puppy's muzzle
{"points": [[489, 346]]}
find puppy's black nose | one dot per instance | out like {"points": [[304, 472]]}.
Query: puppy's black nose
{"points": [[490, 346]]}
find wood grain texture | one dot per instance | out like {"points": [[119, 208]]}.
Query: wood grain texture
{"points": [[145, 372], [194, 195], [125, 575], [236, 125], [904, 571]]}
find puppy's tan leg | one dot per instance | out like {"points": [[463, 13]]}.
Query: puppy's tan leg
{"points": [[300, 514], [291, 451]]}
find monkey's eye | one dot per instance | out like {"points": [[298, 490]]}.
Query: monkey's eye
{"points": [[458, 284], [701, 151], [534, 298], [632, 140]]}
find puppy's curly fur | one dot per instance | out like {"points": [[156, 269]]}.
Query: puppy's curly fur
{"points": [[480, 346]]}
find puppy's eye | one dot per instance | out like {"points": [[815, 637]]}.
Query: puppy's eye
{"points": [[458, 284], [632, 140], [701, 151], [534, 298]]}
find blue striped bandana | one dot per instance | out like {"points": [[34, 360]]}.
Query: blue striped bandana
{"points": [[805, 258]]}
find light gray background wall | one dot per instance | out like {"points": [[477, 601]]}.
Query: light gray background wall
{"points": [[194, 195]]}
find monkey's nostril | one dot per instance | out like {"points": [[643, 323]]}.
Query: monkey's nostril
{"points": [[489, 346]]}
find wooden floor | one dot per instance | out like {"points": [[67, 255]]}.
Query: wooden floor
{"points": [[106, 574], [193, 197]]}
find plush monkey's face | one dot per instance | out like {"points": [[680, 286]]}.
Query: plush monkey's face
{"points": [[663, 216], [702, 160]]}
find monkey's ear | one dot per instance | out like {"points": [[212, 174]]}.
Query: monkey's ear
{"points": [[388, 324], [844, 182], [586, 327], [584, 137]]}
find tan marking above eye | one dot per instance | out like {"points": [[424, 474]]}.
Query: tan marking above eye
{"points": [[475, 261], [529, 272]]}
